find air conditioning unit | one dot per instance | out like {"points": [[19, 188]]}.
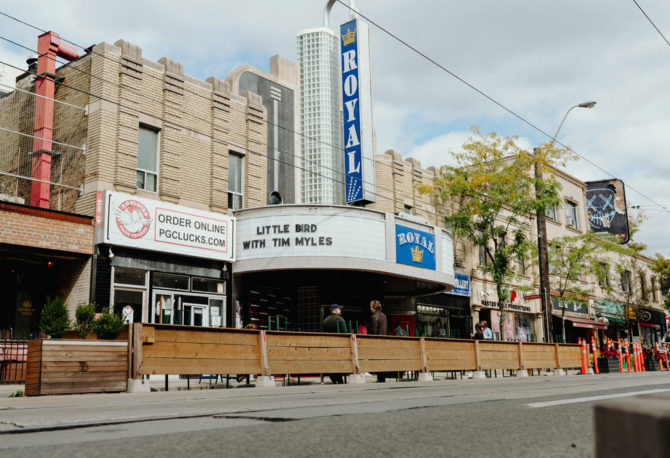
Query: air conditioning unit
{"points": [[571, 221]]}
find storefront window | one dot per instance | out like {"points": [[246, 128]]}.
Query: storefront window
{"points": [[207, 285], [525, 329], [128, 276], [172, 281]]}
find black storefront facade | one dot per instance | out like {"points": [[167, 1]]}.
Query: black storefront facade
{"points": [[447, 314], [167, 263]]}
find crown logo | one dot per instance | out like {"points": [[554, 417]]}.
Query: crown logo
{"points": [[417, 254], [349, 37]]}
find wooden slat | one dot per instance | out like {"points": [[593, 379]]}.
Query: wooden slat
{"points": [[199, 366], [92, 379], [384, 353], [84, 356], [222, 336], [33, 368], [287, 340], [365, 341], [451, 345], [302, 353], [84, 348], [109, 388], [309, 367], [390, 365], [76, 365], [205, 350]]}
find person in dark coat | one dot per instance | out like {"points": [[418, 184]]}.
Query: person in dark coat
{"points": [[336, 324], [378, 325]]}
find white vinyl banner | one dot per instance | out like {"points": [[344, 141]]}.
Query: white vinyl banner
{"points": [[310, 235], [160, 226]]}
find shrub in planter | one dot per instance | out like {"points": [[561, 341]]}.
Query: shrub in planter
{"points": [[85, 315], [54, 320], [108, 325]]}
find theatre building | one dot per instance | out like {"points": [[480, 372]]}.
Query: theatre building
{"points": [[293, 261]]}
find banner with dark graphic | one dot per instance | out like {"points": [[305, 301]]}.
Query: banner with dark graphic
{"points": [[606, 208]]}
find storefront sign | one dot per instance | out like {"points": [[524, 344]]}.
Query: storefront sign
{"points": [[415, 247], [310, 235], [507, 306], [160, 226], [353, 160], [462, 287], [531, 297], [570, 305]]}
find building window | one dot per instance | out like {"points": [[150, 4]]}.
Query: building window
{"points": [[603, 274], [653, 289], [643, 285], [625, 281], [550, 213], [571, 214], [147, 159], [522, 264], [235, 185]]}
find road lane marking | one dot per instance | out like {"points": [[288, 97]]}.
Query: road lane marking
{"points": [[591, 398]]}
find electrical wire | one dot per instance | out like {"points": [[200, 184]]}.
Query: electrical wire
{"points": [[491, 99], [652, 23]]}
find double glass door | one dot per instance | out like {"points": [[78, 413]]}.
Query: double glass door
{"points": [[188, 309]]}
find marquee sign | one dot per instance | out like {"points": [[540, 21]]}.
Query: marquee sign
{"points": [[150, 224], [414, 247]]}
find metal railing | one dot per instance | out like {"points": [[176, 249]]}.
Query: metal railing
{"points": [[13, 356]]}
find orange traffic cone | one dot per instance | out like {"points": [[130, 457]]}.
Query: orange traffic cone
{"points": [[660, 360], [665, 355], [585, 357], [642, 368], [627, 355], [620, 356], [595, 356]]}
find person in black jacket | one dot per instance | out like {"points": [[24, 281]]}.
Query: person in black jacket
{"points": [[378, 325], [336, 324]]}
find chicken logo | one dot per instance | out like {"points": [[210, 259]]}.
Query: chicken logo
{"points": [[132, 219]]}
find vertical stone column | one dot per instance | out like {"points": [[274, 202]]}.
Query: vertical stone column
{"points": [[171, 135], [130, 84], [255, 183], [220, 129]]}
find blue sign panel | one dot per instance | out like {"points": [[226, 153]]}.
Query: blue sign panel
{"points": [[462, 287], [353, 168], [414, 247]]}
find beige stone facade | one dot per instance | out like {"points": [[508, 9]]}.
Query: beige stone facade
{"points": [[397, 180]]}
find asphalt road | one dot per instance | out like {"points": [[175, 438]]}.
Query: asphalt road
{"points": [[535, 416]]}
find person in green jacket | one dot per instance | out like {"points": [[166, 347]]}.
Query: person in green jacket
{"points": [[335, 323]]}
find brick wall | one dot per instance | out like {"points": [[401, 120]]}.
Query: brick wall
{"points": [[31, 227]]}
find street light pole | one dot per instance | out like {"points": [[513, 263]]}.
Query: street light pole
{"points": [[543, 256]]}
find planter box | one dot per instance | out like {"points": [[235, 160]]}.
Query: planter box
{"points": [[76, 366], [652, 365], [608, 365]]}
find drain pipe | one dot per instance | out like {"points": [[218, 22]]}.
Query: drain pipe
{"points": [[49, 46]]}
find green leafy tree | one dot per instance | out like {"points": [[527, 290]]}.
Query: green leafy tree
{"points": [[661, 266], [571, 259], [488, 194], [54, 320]]}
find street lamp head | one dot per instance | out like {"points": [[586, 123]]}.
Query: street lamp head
{"points": [[590, 104]]}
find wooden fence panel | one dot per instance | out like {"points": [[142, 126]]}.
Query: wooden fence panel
{"points": [[450, 355], [193, 350], [306, 353], [570, 356], [539, 356], [499, 355], [381, 353]]}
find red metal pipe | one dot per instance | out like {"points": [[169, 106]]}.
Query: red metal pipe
{"points": [[49, 47]]}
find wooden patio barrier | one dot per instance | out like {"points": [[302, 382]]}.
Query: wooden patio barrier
{"points": [[169, 349]]}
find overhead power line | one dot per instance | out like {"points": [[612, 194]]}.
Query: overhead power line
{"points": [[490, 98], [652, 23]]}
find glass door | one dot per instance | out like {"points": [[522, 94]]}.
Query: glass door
{"points": [[216, 313], [133, 298], [163, 308], [195, 315]]}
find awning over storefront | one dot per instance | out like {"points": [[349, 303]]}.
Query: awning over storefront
{"points": [[584, 322]]}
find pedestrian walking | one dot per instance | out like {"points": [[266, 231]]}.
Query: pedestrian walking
{"points": [[378, 325], [335, 323]]}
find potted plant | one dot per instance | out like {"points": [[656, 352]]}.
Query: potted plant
{"points": [[652, 359], [609, 360], [85, 318], [108, 325], [54, 321]]}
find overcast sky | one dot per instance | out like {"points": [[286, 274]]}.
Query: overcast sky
{"points": [[537, 58]]}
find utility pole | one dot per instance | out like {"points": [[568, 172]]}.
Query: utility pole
{"points": [[543, 256]]}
